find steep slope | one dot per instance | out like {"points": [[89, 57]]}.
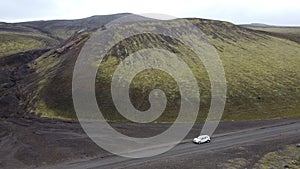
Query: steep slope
{"points": [[21, 44], [262, 74], [15, 82], [262, 70]]}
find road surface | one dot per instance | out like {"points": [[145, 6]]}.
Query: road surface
{"points": [[218, 143]]}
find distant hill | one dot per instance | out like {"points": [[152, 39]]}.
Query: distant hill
{"points": [[26, 36], [63, 29], [257, 25], [291, 33], [262, 70], [17, 38]]}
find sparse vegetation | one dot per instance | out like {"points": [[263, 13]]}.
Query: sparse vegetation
{"points": [[291, 33], [289, 157], [234, 164], [261, 72], [12, 43], [261, 69], [286, 157], [15, 39]]}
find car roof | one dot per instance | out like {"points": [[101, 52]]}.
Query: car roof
{"points": [[201, 136]]}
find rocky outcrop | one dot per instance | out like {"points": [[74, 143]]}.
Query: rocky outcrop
{"points": [[15, 75]]}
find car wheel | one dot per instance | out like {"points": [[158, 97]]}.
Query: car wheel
{"points": [[208, 141]]}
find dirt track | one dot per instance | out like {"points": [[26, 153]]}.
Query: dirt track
{"points": [[284, 132], [31, 143]]}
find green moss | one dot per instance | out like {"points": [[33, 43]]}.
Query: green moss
{"points": [[234, 164], [262, 73], [292, 33], [290, 155], [15, 42]]}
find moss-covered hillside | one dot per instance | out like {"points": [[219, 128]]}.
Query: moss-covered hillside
{"points": [[262, 73]]}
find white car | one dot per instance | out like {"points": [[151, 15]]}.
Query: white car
{"points": [[202, 139]]}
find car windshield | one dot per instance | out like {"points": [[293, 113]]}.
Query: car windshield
{"points": [[202, 137]]}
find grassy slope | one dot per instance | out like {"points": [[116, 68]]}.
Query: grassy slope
{"points": [[289, 156], [26, 36], [20, 43], [15, 38], [286, 156], [262, 78], [261, 71], [292, 33]]}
